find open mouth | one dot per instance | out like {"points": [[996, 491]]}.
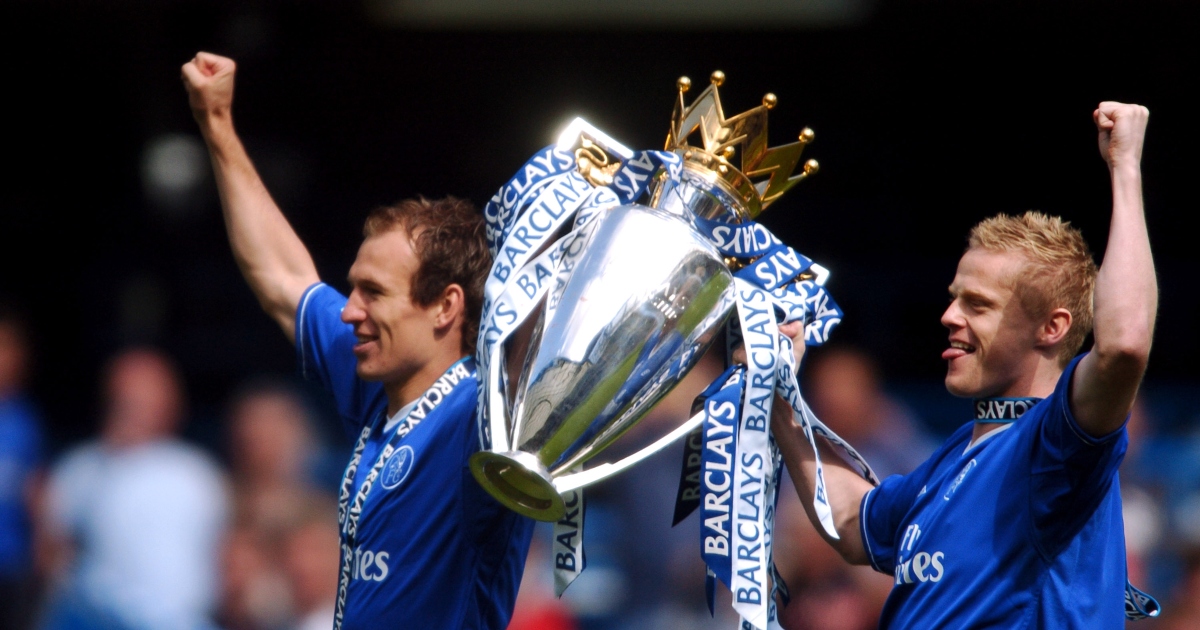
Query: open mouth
{"points": [[957, 349], [362, 344]]}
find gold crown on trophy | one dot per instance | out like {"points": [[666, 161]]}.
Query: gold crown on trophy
{"points": [[722, 138]]}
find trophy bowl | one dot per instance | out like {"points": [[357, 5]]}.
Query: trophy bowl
{"points": [[642, 305]]}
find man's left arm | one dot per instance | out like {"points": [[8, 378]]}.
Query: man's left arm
{"points": [[1126, 293]]}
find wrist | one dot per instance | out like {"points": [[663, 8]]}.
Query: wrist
{"points": [[214, 122], [1125, 169], [211, 114]]}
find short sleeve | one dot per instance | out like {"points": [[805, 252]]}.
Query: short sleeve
{"points": [[1071, 471], [325, 354], [880, 515]]}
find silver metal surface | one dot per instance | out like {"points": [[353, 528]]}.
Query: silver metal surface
{"points": [[697, 193], [641, 307]]}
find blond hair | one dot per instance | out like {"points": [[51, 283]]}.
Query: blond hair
{"points": [[1059, 271]]}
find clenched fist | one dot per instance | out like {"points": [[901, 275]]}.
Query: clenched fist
{"points": [[1122, 128], [209, 82]]}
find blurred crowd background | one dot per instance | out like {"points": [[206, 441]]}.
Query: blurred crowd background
{"points": [[162, 467]]}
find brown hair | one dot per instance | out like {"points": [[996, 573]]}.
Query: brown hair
{"points": [[449, 241], [1059, 272]]}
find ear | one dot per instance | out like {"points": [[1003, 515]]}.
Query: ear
{"points": [[450, 307], [1054, 328]]}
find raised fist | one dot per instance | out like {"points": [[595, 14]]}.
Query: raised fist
{"points": [[209, 82], [1122, 128]]}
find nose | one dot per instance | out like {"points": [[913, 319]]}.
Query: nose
{"points": [[952, 318], [353, 312]]}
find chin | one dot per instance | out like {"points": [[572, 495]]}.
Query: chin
{"points": [[366, 374], [962, 390]]}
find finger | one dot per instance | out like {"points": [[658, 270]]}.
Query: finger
{"points": [[214, 64], [192, 74], [792, 329]]}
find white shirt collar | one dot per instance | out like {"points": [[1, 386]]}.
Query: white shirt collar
{"points": [[395, 418], [986, 436]]}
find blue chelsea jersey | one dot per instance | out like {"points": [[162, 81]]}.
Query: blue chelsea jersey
{"points": [[1021, 530], [433, 549]]}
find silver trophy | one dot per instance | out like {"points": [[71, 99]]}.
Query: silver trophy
{"points": [[639, 309]]}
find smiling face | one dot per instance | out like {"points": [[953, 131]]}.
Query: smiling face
{"points": [[993, 341], [396, 337]]}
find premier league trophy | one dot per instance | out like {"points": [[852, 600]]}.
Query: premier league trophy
{"points": [[597, 306]]}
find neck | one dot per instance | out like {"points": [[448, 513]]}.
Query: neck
{"points": [[1043, 378], [402, 392]]}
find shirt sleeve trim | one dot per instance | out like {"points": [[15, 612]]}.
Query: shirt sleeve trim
{"points": [[304, 300], [862, 530]]}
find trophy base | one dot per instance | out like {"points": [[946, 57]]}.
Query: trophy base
{"points": [[519, 482]]}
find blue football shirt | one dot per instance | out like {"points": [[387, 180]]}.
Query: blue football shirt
{"points": [[433, 550], [1021, 530]]}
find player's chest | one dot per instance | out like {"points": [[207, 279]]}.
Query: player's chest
{"points": [[967, 514]]}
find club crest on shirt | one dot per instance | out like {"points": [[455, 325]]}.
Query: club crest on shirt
{"points": [[959, 479], [397, 467]]}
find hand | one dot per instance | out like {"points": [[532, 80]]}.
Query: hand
{"points": [[1122, 128], [794, 331], [209, 82]]}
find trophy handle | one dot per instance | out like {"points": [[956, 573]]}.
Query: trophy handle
{"points": [[566, 483]]}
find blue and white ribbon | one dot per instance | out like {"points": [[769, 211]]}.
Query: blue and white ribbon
{"points": [[778, 285], [569, 559]]}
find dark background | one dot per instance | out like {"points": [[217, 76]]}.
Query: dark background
{"points": [[929, 116]]}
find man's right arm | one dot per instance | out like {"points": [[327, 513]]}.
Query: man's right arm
{"points": [[272, 258], [845, 486]]}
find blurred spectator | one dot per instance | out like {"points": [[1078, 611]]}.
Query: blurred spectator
{"points": [[134, 519], [20, 468], [1141, 504], [272, 448], [1182, 610], [844, 389], [254, 591], [311, 549]]}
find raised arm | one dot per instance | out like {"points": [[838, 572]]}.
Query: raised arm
{"points": [[1126, 296], [272, 258], [844, 484]]}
